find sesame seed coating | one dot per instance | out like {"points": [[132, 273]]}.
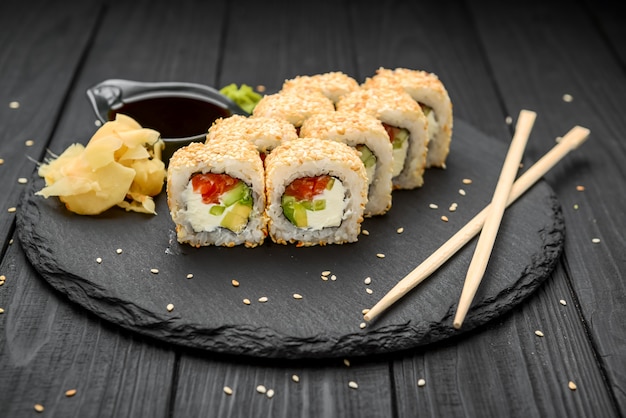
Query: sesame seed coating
{"points": [[294, 106], [264, 132], [332, 84]]}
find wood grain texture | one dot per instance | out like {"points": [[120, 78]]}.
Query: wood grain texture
{"points": [[49, 346], [38, 60], [592, 268], [502, 59], [495, 58]]}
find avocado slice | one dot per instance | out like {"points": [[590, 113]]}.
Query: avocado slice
{"points": [[236, 218], [239, 193], [401, 136], [294, 211]]}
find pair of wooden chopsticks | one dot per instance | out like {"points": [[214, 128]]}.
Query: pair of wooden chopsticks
{"points": [[488, 219]]}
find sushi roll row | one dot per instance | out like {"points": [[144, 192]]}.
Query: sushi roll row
{"points": [[254, 177], [311, 161]]}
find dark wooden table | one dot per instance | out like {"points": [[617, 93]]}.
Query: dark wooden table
{"points": [[494, 58]]}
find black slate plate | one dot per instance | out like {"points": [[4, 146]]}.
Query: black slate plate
{"points": [[209, 313]]}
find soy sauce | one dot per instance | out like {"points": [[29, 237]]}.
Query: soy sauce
{"points": [[173, 117]]}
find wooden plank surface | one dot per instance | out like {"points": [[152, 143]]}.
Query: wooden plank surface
{"points": [[494, 58], [486, 104], [48, 345], [596, 88]]}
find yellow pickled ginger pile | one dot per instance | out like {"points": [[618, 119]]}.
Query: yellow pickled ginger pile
{"points": [[120, 165]]}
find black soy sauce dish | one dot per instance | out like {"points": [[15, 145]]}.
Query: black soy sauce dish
{"points": [[181, 112]]}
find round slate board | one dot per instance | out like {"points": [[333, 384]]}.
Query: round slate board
{"points": [[209, 312]]}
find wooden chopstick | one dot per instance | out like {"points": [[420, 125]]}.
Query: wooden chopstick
{"points": [[487, 237], [572, 140]]}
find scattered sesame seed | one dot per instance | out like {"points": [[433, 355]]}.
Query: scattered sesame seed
{"points": [[70, 392], [325, 278], [261, 389], [297, 296], [508, 120], [400, 230], [558, 139], [38, 407], [433, 206], [580, 188], [453, 207], [365, 232], [260, 88], [333, 277], [326, 273], [353, 385], [11, 241], [444, 218], [22, 180], [295, 378], [346, 362], [29, 143], [154, 271], [576, 206], [12, 209], [170, 307], [235, 283], [98, 260], [1, 310], [1, 161], [421, 383], [119, 251], [563, 302], [572, 385], [246, 301], [3, 278], [97, 122], [190, 276], [380, 255], [14, 105], [462, 192], [263, 299], [567, 98], [362, 325], [365, 311], [369, 291], [467, 181], [228, 390], [270, 393], [367, 280], [595, 240], [539, 333]]}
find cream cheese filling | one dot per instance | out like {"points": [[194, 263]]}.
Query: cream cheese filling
{"points": [[198, 213], [333, 213]]}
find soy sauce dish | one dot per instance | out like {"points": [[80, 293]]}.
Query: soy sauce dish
{"points": [[181, 112]]}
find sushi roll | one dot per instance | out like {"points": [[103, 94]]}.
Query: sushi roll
{"points": [[215, 194], [264, 132], [316, 192], [333, 85], [428, 90], [367, 135], [294, 106], [406, 126]]}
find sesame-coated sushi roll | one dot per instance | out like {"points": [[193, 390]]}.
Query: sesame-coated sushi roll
{"points": [[367, 135], [316, 192], [215, 193], [428, 90], [294, 106], [406, 125], [333, 85], [264, 132]]}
